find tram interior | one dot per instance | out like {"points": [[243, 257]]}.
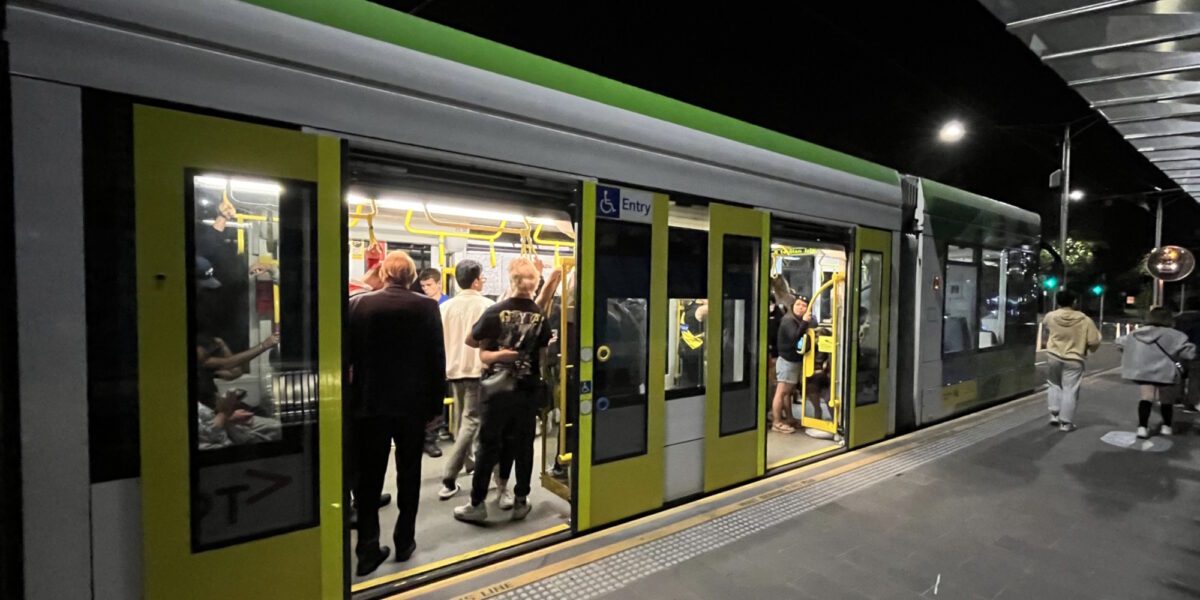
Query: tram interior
{"points": [[808, 270], [440, 230]]}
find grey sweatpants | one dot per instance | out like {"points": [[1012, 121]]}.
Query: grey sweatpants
{"points": [[467, 413], [1063, 377]]}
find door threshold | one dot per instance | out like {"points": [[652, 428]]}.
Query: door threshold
{"points": [[372, 584]]}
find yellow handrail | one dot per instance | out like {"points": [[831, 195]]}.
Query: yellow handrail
{"points": [[835, 399], [458, 234], [501, 229], [563, 457], [537, 237]]}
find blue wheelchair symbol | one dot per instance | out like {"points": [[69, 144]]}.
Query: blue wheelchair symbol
{"points": [[608, 202]]}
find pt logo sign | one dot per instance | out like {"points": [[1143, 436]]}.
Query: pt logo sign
{"points": [[624, 204]]}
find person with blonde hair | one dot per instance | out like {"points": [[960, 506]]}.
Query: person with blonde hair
{"points": [[397, 382], [510, 336]]}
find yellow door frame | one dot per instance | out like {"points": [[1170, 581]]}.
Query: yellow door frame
{"points": [[738, 457], [869, 423], [307, 563], [623, 488]]}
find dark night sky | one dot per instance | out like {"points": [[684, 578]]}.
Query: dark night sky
{"points": [[876, 84]]}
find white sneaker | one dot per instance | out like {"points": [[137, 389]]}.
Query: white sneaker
{"points": [[1066, 427], [471, 513], [506, 499], [1166, 430], [1143, 433], [1054, 420], [521, 508], [447, 493]]}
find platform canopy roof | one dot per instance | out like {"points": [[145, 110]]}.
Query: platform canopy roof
{"points": [[1137, 63]]}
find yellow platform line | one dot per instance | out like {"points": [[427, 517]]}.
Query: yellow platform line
{"points": [[807, 455], [537, 535], [902, 443]]}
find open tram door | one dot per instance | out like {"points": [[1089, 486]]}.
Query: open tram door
{"points": [[623, 305], [869, 335], [735, 430], [239, 357]]}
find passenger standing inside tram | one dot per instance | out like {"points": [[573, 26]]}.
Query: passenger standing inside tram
{"points": [[463, 369], [429, 284], [1072, 336], [788, 367], [397, 378], [369, 282], [510, 336], [1150, 357]]}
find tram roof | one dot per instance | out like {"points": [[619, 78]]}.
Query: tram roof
{"points": [[387, 25], [975, 218]]}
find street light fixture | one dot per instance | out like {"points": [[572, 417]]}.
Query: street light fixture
{"points": [[1077, 195], [952, 132]]}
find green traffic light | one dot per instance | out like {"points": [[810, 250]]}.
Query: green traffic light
{"points": [[1050, 283], [1097, 289]]}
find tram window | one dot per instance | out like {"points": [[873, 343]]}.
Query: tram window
{"points": [[870, 309], [1022, 295], [253, 352], [958, 316], [739, 334], [622, 292], [993, 294], [687, 288]]}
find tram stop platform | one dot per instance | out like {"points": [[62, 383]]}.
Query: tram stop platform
{"points": [[993, 505]]}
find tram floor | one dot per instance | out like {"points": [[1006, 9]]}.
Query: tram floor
{"points": [[440, 537]]}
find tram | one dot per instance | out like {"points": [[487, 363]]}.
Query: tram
{"points": [[260, 152]]}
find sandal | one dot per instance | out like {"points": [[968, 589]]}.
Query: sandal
{"points": [[783, 428]]}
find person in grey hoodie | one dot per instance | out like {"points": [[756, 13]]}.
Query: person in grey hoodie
{"points": [[1149, 357], [1072, 336]]}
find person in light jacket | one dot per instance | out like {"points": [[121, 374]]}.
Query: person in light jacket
{"points": [[1072, 337], [1149, 357]]}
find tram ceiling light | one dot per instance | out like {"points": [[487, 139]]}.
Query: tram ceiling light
{"points": [[462, 211], [446, 209], [1076, 195], [952, 132], [237, 184]]}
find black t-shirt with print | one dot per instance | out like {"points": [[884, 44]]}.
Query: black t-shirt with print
{"points": [[515, 324]]}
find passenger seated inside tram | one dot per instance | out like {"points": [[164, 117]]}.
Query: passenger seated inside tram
{"points": [[225, 424]]}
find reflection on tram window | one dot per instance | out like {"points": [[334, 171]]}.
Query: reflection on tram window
{"points": [[253, 350], [739, 334], [687, 286], [870, 309], [236, 283], [993, 298], [959, 319], [687, 334]]}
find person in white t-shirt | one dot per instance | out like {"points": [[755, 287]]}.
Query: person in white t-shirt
{"points": [[463, 368]]}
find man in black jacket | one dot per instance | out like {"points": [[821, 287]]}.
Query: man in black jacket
{"points": [[397, 375]]}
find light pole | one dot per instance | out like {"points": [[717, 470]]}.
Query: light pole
{"points": [[1066, 198]]}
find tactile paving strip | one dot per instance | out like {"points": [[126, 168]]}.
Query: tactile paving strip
{"points": [[612, 573]]}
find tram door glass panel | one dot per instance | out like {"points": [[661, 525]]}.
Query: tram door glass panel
{"points": [[739, 334], [958, 321], [1022, 296], [622, 292], [252, 292], [866, 387], [993, 298], [687, 289]]}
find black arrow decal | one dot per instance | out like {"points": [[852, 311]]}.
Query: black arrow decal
{"points": [[277, 482]]}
